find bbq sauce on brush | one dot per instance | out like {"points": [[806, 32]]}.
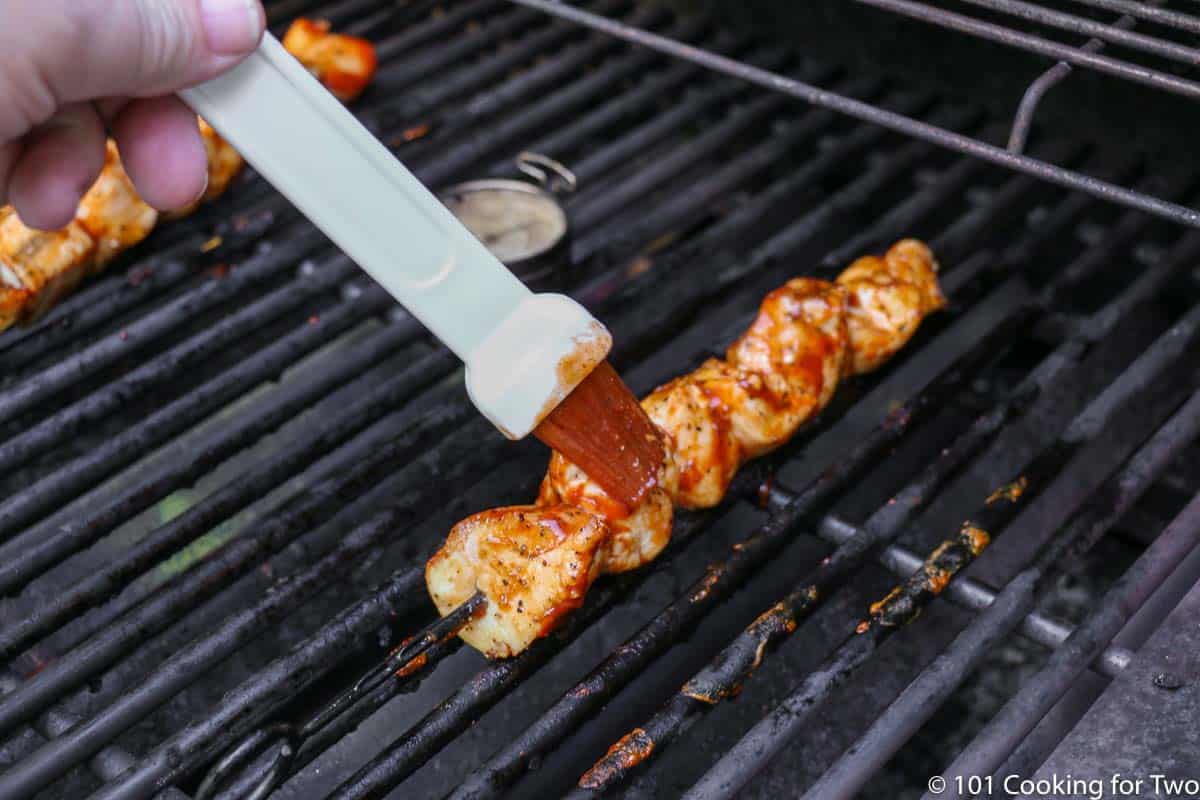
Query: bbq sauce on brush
{"points": [[602, 429]]}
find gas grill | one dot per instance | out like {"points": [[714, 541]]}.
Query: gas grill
{"points": [[225, 461]]}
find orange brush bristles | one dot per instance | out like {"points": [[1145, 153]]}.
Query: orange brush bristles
{"points": [[602, 429]]}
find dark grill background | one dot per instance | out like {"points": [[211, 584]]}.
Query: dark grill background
{"points": [[250, 405]]}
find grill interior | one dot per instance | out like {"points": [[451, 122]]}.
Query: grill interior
{"points": [[225, 461]]}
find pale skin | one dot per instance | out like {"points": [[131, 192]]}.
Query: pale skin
{"points": [[74, 72]]}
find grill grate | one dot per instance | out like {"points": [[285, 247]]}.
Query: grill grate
{"points": [[942, 136], [216, 457]]}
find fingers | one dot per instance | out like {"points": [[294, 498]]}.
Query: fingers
{"points": [[232, 27], [162, 151], [58, 162], [77, 51]]}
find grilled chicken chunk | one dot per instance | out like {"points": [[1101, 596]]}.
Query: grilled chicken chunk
{"points": [[807, 335], [44, 264], [788, 363], [699, 434], [533, 563], [888, 298], [345, 64], [637, 535], [113, 213]]}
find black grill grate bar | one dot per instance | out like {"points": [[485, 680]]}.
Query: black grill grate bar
{"points": [[111, 642], [589, 210], [69, 370], [108, 764], [239, 493], [539, 89], [419, 101], [770, 736], [61, 754], [63, 534], [173, 363], [539, 79], [624, 238], [411, 68], [433, 30], [596, 165], [145, 279], [284, 11], [905, 216], [643, 97], [512, 128], [1011, 608], [1128, 228], [1146, 286]]}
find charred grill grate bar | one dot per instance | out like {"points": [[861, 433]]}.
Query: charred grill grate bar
{"points": [[698, 193]]}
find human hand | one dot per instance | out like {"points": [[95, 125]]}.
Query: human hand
{"points": [[74, 71]]}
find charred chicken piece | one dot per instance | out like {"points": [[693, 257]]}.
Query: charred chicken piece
{"points": [[534, 564], [345, 64]]}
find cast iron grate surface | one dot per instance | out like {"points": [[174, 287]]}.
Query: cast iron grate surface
{"points": [[226, 460]]}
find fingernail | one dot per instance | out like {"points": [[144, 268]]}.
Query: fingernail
{"points": [[232, 27]]}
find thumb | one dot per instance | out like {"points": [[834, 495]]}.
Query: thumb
{"points": [[89, 49]]}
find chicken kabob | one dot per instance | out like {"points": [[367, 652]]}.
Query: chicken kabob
{"points": [[535, 563], [38, 268]]}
